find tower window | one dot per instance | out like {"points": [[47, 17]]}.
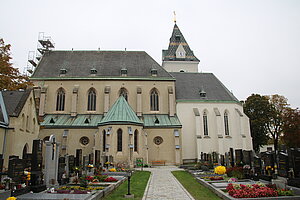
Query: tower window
{"points": [[60, 100], [177, 37], [154, 100], [91, 100]]}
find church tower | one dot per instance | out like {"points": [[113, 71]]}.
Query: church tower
{"points": [[179, 57]]}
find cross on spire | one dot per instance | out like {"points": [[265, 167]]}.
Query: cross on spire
{"points": [[174, 17]]}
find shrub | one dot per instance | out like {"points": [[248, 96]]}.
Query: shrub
{"points": [[101, 178], [285, 192], [235, 172]]}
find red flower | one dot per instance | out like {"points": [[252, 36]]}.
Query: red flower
{"points": [[110, 179]]}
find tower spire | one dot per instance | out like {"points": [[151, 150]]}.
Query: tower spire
{"points": [[174, 17]]}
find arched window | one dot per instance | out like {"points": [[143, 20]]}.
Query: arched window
{"points": [[226, 123], [205, 125], [60, 100], [154, 100], [104, 140], [123, 92], [136, 137], [23, 122], [27, 123], [33, 125], [25, 150], [91, 100], [119, 140]]}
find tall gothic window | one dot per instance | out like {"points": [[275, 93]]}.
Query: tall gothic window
{"points": [[226, 123], [92, 100], [136, 140], [60, 100], [205, 125], [104, 140], [154, 100], [119, 140], [123, 92]]}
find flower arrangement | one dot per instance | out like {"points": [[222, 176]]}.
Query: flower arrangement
{"points": [[250, 191], [235, 172], [216, 178], [11, 198], [112, 170], [220, 170], [110, 179], [231, 180]]}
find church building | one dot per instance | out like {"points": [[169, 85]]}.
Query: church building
{"points": [[120, 106]]}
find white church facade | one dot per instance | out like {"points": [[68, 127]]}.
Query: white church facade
{"points": [[122, 106]]}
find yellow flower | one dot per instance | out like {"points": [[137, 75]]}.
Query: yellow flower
{"points": [[220, 170], [11, 198], [112, 170]]}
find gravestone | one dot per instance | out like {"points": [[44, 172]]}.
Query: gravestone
{"points": [[91, 158], [97, 158], [61, 168], [283, 164], [27, 160], [231, 157], [227, 161], [78, 161], [215, 157], [247, 157], [222, 160], [71, 162], [257, 165], [51, 161], [295, 161], [15, 168], [238, 156], [36, 178]]}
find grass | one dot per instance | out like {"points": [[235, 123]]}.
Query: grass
{"points": [[138, 184], [198, 191]]}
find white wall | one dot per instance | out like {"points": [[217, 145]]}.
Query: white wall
{"points": [[192, 126]]}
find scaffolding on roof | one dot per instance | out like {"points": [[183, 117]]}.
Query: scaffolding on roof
{"points": [[45, 44]]}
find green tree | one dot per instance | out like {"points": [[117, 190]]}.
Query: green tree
{"points": [[258, 108], [275, 123], [291, 128], [10, 77]]}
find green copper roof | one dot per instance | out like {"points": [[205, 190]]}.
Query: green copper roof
{"points": [[177, 39], [60, 121], [121, 113], [161, 121]]}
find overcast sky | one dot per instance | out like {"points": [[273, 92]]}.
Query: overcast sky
{"points": [[251, 46]]}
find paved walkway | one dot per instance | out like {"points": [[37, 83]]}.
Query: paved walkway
{"points": [[163, 185]]}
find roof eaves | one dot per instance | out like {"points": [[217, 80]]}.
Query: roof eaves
{"points": [[171, 78]]}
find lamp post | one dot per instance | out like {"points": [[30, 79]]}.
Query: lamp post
{"points": [[129, 195]]}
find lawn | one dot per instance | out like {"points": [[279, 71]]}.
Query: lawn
{"points": [[198, 191], [138, 184]]}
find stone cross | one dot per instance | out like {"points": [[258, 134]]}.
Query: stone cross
{"points": [[51, 161]]}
